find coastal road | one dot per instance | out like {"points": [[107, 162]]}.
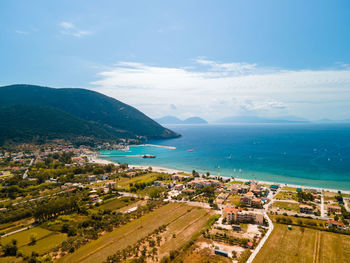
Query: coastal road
{"points": [[322, 206], [262, 241]]}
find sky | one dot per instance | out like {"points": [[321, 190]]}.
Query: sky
{"points": [[185, 58]]}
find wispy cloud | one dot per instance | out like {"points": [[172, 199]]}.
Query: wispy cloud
{"points": [[68, 28], [224, 89], [20, 32]]}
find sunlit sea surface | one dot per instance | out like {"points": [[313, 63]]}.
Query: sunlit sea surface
{"points": [[303, 154]]}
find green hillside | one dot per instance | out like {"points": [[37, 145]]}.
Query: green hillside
{"points": [[107, 115], [25, 123]]}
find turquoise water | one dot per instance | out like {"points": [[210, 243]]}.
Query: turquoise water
{"points": [[305, 154]]}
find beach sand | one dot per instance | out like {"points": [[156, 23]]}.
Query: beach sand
{"points": [[160, 169]]}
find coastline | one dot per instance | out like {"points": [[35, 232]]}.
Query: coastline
{"points": [[161, 169]]}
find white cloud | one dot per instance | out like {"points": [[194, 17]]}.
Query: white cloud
{"points": [[68, 28], [225, 89], [20, 32]]}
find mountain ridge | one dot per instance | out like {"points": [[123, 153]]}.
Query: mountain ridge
{"points": [[107, 113]]}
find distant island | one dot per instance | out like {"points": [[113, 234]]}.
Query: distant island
{"points": [[30, 112], [257, 119], [175, 120]]}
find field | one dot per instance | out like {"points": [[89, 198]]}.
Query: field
{"points": [[46, 240], [233, 200], [286, 196], [304, 245], [146, 178], [117, 203], [182, 220], [286, 206]]}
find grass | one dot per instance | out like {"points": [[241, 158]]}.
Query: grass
{"points": [[287, 206], [203, 255], [146, 178], [234, 200], [304, 245], [184, 228], [23, 237], [121, 237], [117, 203], [287, 196], [46, 240], [288, 188], [45, 244]]}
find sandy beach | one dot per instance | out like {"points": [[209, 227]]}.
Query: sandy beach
{"points": [[161, 169]]}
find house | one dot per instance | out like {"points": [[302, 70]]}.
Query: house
{"points": [[256, 202], [188, 191], [243, 189], [306, 209], [199, 183], [334, 209], [336, 224], [179, 177], [110, 183], [179, 187], [158, 183], [103, 177], [247, 198], [274, 187], [93, 198], [91, 178]]}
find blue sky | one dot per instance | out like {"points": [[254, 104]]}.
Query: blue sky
{"points": [[208, 58]]}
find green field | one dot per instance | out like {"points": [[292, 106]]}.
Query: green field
{"points": [[286, 206], [117, 203], [176, 215], [146, 178], [46, 240], [304, 245], [287, 196], [233, 200]]}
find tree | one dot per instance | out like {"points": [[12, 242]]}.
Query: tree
{"points": [[33, 239], [11, 248]]}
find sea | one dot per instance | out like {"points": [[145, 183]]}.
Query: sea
{"points": [[311, 155]]}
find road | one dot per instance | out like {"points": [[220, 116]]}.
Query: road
{"points": [[25, 174], [263, 240], [322, 206]]}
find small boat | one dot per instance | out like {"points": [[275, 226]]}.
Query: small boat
{"points": [[190, 150], [148, 156]]}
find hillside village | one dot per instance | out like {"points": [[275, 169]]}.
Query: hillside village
{"points": [[64, 197]]}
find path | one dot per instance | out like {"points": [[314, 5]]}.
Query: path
{"points": [[263, 240]]}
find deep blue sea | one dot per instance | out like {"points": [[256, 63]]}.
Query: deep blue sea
{"points": [[304, 154]]}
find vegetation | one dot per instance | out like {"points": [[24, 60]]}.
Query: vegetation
{"points": [[312, 246], [69, 110]]}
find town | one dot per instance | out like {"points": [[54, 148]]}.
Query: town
{"points": [[61, 203]]}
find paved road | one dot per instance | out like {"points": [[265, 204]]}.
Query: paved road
{"points": [[263, 240], [322, 206]]}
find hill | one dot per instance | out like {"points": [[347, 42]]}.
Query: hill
{"points": [[24, 123], [109, 115], [195, 120], [175, 120]]}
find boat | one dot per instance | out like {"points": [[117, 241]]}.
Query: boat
{"points": [[148, 156]]}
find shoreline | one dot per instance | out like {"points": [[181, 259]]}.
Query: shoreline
{"points": [[162, 169]]}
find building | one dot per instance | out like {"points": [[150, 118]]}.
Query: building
{"points": [[179, 177], [91, 178], [306, 209], [199, 183], [110, 183], [247, 199], [336, 224], [179, 187], [158, 183], [103, 177], [334, 209], [238, 215], [274, 187], [256, 202], [93, 198]]}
